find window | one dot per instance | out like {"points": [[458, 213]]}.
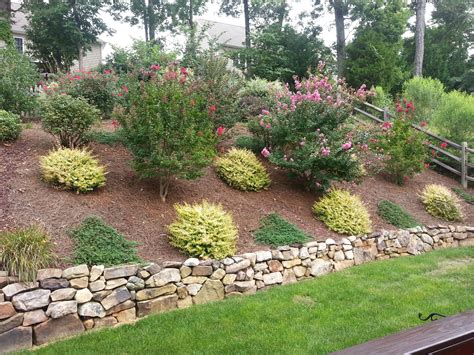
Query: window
{"points": [[19, 44]]}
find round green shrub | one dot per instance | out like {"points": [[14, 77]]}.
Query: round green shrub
{"points": [[440, 202], [343, 213], [241, 169], [24, 251], [68, 118], [72, 169], [10, 126], [203, 230]]}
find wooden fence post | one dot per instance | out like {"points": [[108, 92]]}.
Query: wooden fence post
{"points": [[386, 116], [464, 164]]}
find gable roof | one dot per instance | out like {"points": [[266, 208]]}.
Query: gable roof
{"points": [[226, 34]]}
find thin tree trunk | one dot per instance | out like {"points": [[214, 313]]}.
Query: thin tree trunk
{"points": [[247, 23], [340, 37], [151, 21], [281, 14], [145, 21], [419, 37]]}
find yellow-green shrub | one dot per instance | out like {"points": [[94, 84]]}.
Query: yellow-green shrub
{"points": [[343, 213], [241, 169], [440, 202], [72, 169], [203, 230]]}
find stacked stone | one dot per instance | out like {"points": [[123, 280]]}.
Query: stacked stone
{"points": [[66, 302]]}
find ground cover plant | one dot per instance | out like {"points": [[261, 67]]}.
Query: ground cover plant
{"points": [[440, 202], [396, 215], [23, 251], [10, 126], [96, 243], [276, 231], [327, 314], [104, 137], [343, 212], [72, 169], [466, 196], [240, 169], [203, 230]]}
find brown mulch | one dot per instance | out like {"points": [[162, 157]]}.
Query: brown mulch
{"points": [[134, 208]]}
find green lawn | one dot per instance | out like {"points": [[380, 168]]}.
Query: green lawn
{"points": [[316, 316]]}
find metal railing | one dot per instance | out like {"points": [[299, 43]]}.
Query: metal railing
{"points": [[462, 159]]}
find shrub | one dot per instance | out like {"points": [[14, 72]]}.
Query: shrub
{"points": [[343, 213], [441, 203], [24, 251], [72, 169], [96, 243], [98, 89], [381, 98], [396, 215], [466, 196], [10, 126], [251, 143], [257, 95], [403, 146], [425, 94], [104, 137], [241, 169], [168, 127], [454, 117], [306, 136], [17, 76], [68, 118], [204, 230], [276, 231]]}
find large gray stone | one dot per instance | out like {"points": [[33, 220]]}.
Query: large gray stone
{"points": [[44, 274], [10, 323], [362, 256], [191, 262], [14, 289], [54, 329], [120, 271], [61, 308], [105, 322], [16, 339], [202, 271], [320, 267], [63, 294], [76, 272], [149, 293], [135, 283], [120, 307], [117, 296], [212, 290], [83, 295], [96, 272], [111, 284], [263, 256], [54, 284], [91, 309], [97, 285], [272, 278], [31, 300], [34, 317], [157, 305], [232, 269], [163, 277]]}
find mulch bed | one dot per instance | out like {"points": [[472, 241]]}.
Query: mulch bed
{"points": [[134, 208]]}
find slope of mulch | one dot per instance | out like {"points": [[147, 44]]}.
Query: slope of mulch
{"points": [[133, 206]]}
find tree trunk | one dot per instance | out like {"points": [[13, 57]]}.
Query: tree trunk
{"points": [[281, 14], [151, 21], [145, 21], [247, 23], [340, 37], [419, 37]]}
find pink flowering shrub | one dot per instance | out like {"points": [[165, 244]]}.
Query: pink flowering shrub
{"points": [[98, 89], [306, 135], [403, 146], [167, 125]]}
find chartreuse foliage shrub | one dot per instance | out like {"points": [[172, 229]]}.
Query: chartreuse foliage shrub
{"points": [[96, 243], [343, 213], [23, 251], [10, 126], [203, 230], [403, 146], [440, 202], [68, 118], [241, 169], [275, 231], [168, 126], [425, 94], [396, 215], [72, 169]]}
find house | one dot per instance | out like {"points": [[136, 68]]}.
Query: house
{"points": [[88, 61]]}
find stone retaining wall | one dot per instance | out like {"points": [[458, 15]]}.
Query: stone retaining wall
{"points": [[66, 302]]}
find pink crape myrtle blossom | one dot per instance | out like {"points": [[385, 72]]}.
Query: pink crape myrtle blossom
{"points": [[265, 152], [347, 145]]}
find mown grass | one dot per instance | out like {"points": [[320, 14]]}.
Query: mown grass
{"points": [[312, 317]]}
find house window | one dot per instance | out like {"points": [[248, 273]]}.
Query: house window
{"points": [[19, 44]]}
